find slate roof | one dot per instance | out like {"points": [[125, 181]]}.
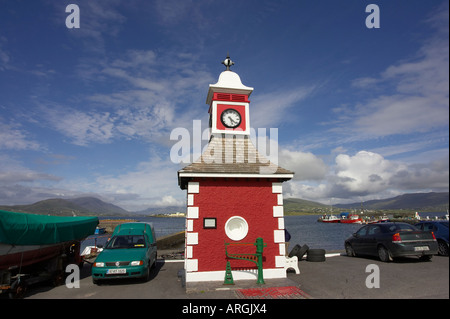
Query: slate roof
{"points": [[231, 156]]}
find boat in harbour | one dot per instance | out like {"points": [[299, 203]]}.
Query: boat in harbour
{"points": [[329, 219], [351, 219], [381, 219]]}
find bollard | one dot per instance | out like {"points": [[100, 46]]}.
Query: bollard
{"points": [[259, 252]]}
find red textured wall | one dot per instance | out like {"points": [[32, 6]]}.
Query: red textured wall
{"points": [[251, 199]]}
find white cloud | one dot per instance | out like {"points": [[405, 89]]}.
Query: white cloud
{"points": [[81, 127], [153, 181], [273, 107], [306, 166], [13, 137], [368, 175], [151, 90], [402, 115], [365, 172], [169, 200]]}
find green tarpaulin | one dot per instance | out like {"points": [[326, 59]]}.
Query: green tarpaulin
{"points": [[32, 229]]}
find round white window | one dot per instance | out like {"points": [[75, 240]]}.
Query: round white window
{"points": [[236, 228]]}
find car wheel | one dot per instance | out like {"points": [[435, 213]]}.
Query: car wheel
{"points": [[349, 250], [384, 254], [443, 248], [426, 257]]}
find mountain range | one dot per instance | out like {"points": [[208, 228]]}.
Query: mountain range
{"points": [[417, 201], [68, 207], [424, 202]]}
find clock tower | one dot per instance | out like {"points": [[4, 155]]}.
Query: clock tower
{"points": [[234, 194], [229, 103]]}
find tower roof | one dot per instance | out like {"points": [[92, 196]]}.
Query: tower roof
{"points": [[232, 156], [229, 82]]}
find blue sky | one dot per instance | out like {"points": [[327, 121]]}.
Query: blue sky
{"points": [[361, 113]]}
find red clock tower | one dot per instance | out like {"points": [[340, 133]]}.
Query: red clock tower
{"points": [[234, 195]]}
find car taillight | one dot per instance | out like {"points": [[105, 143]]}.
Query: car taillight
{"points": [[434, 237], [396, 238]]}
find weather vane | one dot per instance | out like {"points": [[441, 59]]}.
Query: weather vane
{"points": [[227, 62]]}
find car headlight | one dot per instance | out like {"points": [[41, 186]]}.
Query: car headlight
{"points": [[136, 263], [99, 264]]}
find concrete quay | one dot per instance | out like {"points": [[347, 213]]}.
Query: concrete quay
{"points": [[339, 277]]}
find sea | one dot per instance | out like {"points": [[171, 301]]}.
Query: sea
{"points": [[304, 230]]}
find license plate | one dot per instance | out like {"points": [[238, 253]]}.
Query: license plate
{"points": [[421, 248], [116, 271]]}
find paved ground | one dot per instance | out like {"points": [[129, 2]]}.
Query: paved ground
{"points": [[345, 277], [337, 278]]}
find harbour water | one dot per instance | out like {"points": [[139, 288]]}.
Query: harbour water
{"points": [[303, 230]]}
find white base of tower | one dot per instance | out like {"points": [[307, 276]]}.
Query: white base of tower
{"points": [[251, 274]]}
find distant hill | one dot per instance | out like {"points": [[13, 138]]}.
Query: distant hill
{"points": [[96, 205], [68, 207], [417, 201], [421, 202], [161, 210], [297, 205]]}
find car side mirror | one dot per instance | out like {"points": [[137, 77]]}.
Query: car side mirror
{"points": [[355, 235]]}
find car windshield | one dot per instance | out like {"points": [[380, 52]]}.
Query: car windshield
{"points": [[126, 241]]}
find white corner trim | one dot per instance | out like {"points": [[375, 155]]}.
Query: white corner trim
{"points": [[280, 261], [192, 212], [189, 225], [278, 211], [191, 265], [189, 251], [190, 199], [277, 188], [278, 236], [281, 223], [282, 249], [280, 199], [193, 187], [191, 238]]}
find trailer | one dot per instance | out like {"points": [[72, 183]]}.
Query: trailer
{"points": [[36, 248]]}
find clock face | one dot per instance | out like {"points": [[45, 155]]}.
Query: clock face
{"points": [[230, 118]]}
